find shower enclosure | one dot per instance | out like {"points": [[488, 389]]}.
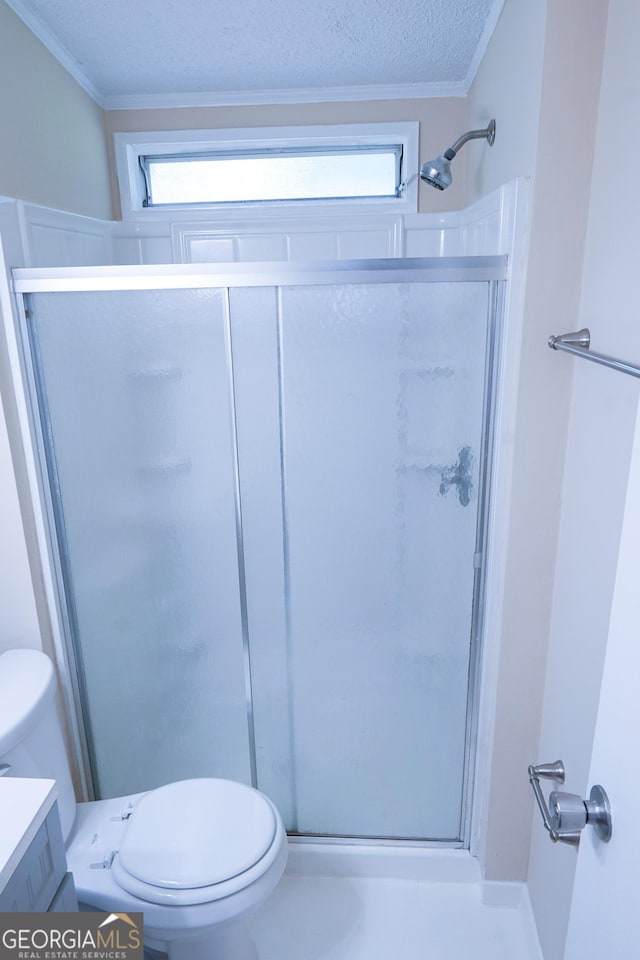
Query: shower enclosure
{"points": [[266, 490]]}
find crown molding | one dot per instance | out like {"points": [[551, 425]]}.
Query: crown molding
{"points": [[394, 91], [483, 43], [56, 49]]}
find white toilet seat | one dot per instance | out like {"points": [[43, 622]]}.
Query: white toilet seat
{"points": [[196, 841], [93, 856]]}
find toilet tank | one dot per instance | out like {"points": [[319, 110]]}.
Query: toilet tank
{"points": [[31, 740]]}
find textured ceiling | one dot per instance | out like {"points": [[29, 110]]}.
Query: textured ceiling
{"points": [[133, 47]]}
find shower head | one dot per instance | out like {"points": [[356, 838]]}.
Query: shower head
{"points": [[437, 173]]}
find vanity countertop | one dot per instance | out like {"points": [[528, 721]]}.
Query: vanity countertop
{"points": [[24, 805]]}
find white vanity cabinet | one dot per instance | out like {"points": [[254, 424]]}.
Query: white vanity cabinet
{"points": [[33, 867]]}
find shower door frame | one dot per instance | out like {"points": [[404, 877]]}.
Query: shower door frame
{"points": [[487, 269]]}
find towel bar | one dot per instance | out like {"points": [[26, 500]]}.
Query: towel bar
{"points": [[578, 344]]}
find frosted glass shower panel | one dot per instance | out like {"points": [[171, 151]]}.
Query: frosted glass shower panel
{"points": [[382, 390], [136, 389]]}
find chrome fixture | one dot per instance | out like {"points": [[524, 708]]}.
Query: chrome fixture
{"points": [[437, 172], [578, 344], [568, 813], [549, 771], [459, 475]]}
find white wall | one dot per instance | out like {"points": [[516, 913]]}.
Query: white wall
{"points": [[540, 79], [603, 412], [508, 86], [53, 141]]}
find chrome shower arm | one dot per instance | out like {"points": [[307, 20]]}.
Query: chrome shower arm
{"points": [[488, 134], [437, 173]]}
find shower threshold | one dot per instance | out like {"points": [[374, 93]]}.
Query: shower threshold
{"points": [[354, 840]]}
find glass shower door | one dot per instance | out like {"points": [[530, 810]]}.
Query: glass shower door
{"points": [[266, 503], [360, 431], [137, 409]]}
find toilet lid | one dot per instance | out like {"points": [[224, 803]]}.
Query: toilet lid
{"points": [[195, 833]]}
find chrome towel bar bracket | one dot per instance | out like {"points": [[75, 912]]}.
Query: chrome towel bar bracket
{"points": [[578, 344], [581, 338], [568, 813]]}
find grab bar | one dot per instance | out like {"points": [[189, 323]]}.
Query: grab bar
{"points": [[578, 344]]}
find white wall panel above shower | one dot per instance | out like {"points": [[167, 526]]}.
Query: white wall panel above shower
{"points": [[481, 229], [141, 243], [54, 238], [305, 238]]}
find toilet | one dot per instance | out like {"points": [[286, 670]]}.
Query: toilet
{"points": [[194, 856]]}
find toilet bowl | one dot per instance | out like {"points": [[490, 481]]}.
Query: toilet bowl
{"points": [[194, 856]]}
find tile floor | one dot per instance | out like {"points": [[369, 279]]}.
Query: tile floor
{"points": [[343, 918]]}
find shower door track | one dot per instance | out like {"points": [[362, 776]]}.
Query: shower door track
{"points": [[259, 274], [490, 269]]}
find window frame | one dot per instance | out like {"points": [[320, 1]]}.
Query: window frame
{"points": [[130, 147]]}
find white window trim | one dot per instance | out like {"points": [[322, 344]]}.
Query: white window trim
{"points": [[130, 146]]}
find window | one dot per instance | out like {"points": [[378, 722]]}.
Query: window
{"points": [[349, 167], [258, 176]]}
